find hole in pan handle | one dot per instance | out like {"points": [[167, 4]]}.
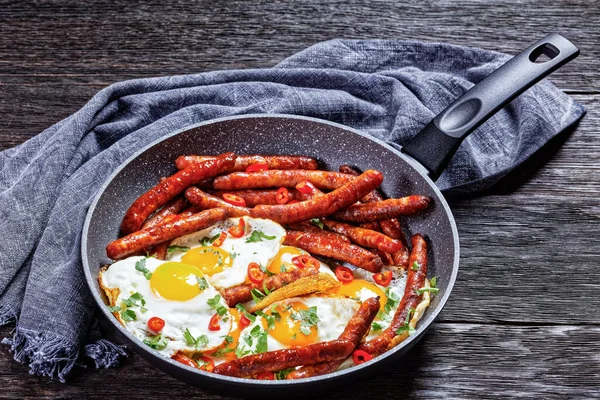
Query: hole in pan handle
{"points": [[435, 145]]}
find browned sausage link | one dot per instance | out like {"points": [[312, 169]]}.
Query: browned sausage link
{"points": [[286, 358], [147, 203], [364, 237], [242, 162], [309, 227], [277, 178], [256, 197], [205, 201], [382, 210], [189, 211], [242, 293], [374, 226], [387, 258], [324, 205], [410, 300], [162, 232], [357, 328], [172, 207], [325, 245], [161, 249]]}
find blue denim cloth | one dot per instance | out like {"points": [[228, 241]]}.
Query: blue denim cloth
{"points": [[388, 89]]}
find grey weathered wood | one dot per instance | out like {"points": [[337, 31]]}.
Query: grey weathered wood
{"points": [[523, 320]]}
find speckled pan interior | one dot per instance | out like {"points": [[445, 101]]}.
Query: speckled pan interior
{"points": [[332, 145]]}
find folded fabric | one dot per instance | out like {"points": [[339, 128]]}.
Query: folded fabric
{"points": [[388, 89]]}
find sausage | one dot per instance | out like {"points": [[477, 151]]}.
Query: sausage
{"points": [[189, 211], [173, 207], [390, 227], [324, 205], [374, 226], [256, 197], [204, 200], [357, 328], [242, 162], [162, 232], [242, 293], [364, 237], [414, 281], [286, 358], [308, 227], [382, 210], [324, 245], [170, 187], [387, 258], [277, 178]]}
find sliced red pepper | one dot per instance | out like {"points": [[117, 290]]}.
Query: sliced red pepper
{"points": [[306, 187], [383, 278], [220, 239], [156, 324], [234, 199], [244, 322], [344, 274], [282, 195], [361, 356], [182, 358], [239, 230], [257, 167], [206, 364], [304, 261], [266, 376], [214, 325], [255, 274]]}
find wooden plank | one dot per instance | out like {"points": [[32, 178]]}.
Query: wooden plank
{"points": [[452, 361], [155, 39]]}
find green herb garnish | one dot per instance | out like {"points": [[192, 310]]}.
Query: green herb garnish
{"points": [[206, 241], [141, 266], [128, 315], [202, 283], [376, 326], [406, 327], [199, 343], [317, 222], [257, 295], [258, 236], [415, 266], [215, 303], [307, 319], [241, 309], [157, 342], [282, 375], [173, 249]]}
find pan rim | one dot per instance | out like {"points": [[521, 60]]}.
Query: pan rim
{"points": [[412, 339]]}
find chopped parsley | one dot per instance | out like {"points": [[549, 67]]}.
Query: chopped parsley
{"points": [[265, 270], [199, 343], [157, 342], [431, 290], [221, 352], [317, 222], [282, 268], [257, 295], [228, 339], [415, 266], [215, 303], [114, 308], [173, 249], [242, 310], [206, 241], [406, 327], [260, 335], [128, 315], [282, 375], [258, 236], [269, 318], [141, 266], [202, 283], [307, 319], [376, 326], [433, 282], [392, 301], [133, 300]]}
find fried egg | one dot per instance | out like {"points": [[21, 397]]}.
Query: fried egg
{"points": [[283, 261], [142, 288], [226, 265], [298, 321]]}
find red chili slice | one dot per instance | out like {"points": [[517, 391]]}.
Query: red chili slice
{"points": [[282, 195], [255, 274], [344, 274], [182, 358], [234, 199], [156, 324], [361, 356], [257, 167], [304, 261], [244, 322], [206, 364], [305, 187], [214, 325], [220, 239], [239, 230], [383, 278], [266, 376]]}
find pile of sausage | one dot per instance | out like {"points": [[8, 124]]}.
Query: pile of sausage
{"points": [[362, 229]]}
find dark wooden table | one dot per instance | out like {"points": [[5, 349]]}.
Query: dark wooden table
{"points": [[524, 318]]}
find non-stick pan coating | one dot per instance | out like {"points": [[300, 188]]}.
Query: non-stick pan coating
{"points": [[332, 145]]}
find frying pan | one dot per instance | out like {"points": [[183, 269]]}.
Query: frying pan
{"points": [[410, 170]]}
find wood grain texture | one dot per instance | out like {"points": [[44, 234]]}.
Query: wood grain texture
{"points": [[524, 317]]}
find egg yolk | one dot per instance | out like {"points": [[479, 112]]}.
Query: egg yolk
{"points": [[210, 260], [360, 289], [283, 260], [287, 327], [176, 281], [227, 350]]}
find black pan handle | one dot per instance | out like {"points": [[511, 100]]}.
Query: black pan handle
{"points": [[435, 145]]}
